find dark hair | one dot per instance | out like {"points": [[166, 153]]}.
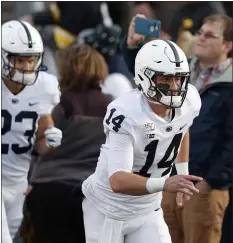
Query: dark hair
{"points": [[80, 67], [227, 25]]}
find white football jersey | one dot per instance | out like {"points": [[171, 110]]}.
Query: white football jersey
{"points": [[156, 143], [20, 116]]}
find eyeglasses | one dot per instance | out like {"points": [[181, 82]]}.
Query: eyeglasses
{"points": [[208, 35]]}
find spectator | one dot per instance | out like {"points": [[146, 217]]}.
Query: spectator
{"points": [[54, 204], [211, 138]]}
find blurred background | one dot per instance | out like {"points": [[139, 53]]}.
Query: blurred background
{"points": [[104, 26], [63, 23]]}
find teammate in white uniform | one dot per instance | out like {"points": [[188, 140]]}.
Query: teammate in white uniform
{"points": [[28, 97], [145, 130]]}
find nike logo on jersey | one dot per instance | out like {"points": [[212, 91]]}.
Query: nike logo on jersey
{"points": [[33, 103], [15, 101], [182, 127]]}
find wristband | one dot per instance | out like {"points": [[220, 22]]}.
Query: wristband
{"points": [[182, 168], [154, 185]]}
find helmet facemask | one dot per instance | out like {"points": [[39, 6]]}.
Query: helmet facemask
{"points": [[161, 93], [10, 72]]}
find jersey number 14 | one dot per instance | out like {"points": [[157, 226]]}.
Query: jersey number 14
{"points": [[164, 162], [151, 148]]}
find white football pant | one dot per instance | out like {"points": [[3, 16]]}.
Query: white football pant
{"points": [[12, 210], [150, 228]]}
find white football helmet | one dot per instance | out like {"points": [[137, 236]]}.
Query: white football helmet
{"points": [[20, 39], [159, 57]]}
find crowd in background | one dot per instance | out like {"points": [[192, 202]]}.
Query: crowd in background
{"points": [[107, 55]]}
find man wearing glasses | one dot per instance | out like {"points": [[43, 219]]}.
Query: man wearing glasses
{"points": [[211, 138], [199, 220]]}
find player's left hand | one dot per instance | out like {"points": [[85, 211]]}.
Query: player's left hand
{"points": [[181, 198], [53, 137]]}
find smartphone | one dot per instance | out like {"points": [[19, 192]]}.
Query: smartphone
{"points": [[148, 27]]}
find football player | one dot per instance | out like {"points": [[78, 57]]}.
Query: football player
{"points": [[28, 97], [145, 130]]}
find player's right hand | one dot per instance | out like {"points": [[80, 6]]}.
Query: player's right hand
{"points": [[182, 183], [134, 40]]}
